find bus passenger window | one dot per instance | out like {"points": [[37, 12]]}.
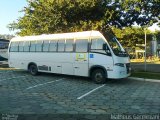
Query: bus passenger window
{"points": [[26, 46], [14, 47], [97, 44], [61, 45], [39, 46], [33, 46], [21, 46], [69, 45], [82, 45], [53, 46], [45, 45]]}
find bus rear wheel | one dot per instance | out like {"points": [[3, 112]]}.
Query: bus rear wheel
{"points": [[98, 76], [33, 69]]}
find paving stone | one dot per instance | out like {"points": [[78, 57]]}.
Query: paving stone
{"points": [[135, 107], [117, 96]]}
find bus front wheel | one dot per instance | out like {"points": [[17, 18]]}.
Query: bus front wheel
{"points": [[33, 69], [98, 76]]}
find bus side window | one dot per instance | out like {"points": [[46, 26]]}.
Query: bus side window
{"points": [[45, 45], [26, 46], [81, 45], [21, 46], [53, 46], [39, 46], [97, 45], [69, 45], [61, 44], [14, 47], [33, 46]]}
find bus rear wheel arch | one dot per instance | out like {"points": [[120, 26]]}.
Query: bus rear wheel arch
{"points": [[98, 75], [32, 68]]}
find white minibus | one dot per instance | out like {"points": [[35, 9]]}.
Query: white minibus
{"points": [[86, 53]]}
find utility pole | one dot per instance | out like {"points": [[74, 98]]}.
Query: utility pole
{"points": [[145, 32]]}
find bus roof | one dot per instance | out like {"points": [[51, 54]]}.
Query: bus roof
{"points": [[59, 36]]}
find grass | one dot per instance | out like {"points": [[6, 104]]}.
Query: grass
{"points": [[148, 75], [155, 61]]}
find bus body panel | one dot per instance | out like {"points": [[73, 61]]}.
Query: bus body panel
{"points": [[119, 71], [70, 63], [114, 72], [63, 63], [81, 64], [101, 60]]}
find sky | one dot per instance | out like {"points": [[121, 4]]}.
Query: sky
{"points": [[9, 12], [154, 27]]}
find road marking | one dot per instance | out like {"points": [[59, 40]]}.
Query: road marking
{"points": [[90, 92], [13, 78], [43, 84]]}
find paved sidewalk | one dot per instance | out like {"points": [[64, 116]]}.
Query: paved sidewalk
{"points": [[144, 79]]}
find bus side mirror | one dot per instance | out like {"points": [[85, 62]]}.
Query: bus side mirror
{"points": [[105, 47]]}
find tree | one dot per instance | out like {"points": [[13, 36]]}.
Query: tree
{"points": [[6, 36], [52, 16], [130, 36], [157, 35]]}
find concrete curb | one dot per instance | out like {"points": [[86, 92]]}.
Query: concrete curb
{"points": [[144, 79]]}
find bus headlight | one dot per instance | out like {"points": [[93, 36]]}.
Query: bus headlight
{"points": [[119, 64]]}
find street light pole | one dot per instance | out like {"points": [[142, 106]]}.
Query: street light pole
{"points": [[145, 50]]}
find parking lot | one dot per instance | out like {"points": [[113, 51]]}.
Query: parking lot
{"points": [[22, 93]]}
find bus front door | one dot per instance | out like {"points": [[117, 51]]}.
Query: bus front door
{"points": [[81, 64]]}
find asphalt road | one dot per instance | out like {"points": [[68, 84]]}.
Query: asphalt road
{"points": [[48, 94]]}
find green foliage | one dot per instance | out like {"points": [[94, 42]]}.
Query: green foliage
{"points": [[130, 36], [54, 16], [148, 75], [157, 35]]}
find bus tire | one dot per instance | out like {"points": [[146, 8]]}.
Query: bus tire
{"points": [[98, 76], [33, 69]]}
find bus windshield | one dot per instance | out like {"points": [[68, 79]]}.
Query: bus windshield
{"points": [[116, 46]]}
